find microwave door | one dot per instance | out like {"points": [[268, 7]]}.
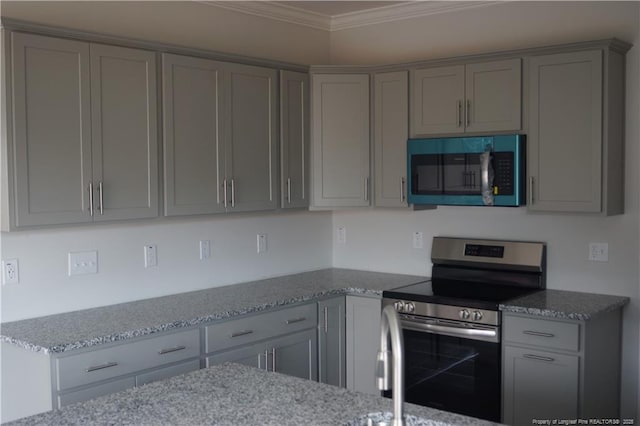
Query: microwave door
{"points": [[462, 174], [427, 174]]}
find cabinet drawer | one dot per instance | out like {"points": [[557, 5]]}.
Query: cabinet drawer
{"points": [[103, 364], [252, 329], [542, 332], [165, 373], [95, 391]]}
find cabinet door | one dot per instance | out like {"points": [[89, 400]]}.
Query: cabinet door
{"points": [[294, 138], [391, 130], [539, 385], [493, 96], [251, 151], [193, 148], [340, 140], [565, 135], [438, 100], [124, 132], [295, 355], [52, 130], [363, 343], [331, 341], [253, 356]]}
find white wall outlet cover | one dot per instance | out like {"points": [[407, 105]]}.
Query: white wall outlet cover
{"points": [[10, 272], [150, 255], [599, 252], [205, 249], [418, 240], [342, 235], [83, 262], [262, 243]]}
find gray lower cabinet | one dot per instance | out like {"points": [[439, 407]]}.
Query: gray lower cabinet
{"points": [[363, 342], [390, 133], [560, 369], [331, 341], [476, 97], [576, 132], [220, 133], [93, 128], [295, 355], [340, 156], [294, 139]]}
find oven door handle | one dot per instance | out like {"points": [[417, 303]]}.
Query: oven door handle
{"points": [[472, 333]]}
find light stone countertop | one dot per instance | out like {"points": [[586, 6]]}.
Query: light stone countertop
{"points": [[564, 304], [91, 327], [233, 394]]}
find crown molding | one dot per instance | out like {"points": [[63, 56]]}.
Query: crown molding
{"points": [[394, 12]]}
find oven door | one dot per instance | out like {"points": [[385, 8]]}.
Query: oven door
{"points": [[456, 373]]}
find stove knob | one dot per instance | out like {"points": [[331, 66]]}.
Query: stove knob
{"points": [[477, 315], [464, 314], [409, 307], [399, 305]]}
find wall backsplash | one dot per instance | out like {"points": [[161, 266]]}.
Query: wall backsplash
{"points": [[297, 241]]}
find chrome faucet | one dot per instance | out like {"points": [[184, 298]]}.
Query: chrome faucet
{"points": [[390, 325]]}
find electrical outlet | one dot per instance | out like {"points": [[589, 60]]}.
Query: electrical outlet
{"points": [[418, 240], [599, 252], [150, 255], [262, 243], [342, 235], [10, 272], [83, 262], [205, 249]]}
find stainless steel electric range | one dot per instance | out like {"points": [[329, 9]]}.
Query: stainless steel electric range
{"points": [[451, 323]]}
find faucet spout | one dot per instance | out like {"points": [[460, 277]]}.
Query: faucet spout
{"points": [[390, 328]]}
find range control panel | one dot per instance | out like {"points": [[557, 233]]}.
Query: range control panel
{"points": [[484, 250]]}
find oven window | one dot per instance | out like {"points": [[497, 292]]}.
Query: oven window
{"points": [[453, 374]]}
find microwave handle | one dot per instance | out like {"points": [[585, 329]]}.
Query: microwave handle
{"points": [[487, 193]]}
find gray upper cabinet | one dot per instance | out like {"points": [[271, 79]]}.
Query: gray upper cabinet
{"points": [[193, 144], [340, 140], [124, 132], [251, 151], [85, 142], [478, 97], [294, 139], [52, 130], [575, 138], [331, 341], [391, 130]]}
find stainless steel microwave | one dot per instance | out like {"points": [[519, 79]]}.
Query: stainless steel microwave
{"points": [[470, 171]]}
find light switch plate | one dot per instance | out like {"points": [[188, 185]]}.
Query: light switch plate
{"points": [[83, 262], [599, 252]]}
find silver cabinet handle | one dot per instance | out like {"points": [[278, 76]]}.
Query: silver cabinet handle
{"points": [[467, 113], [260, 361], [224, 189], [531, 181], [366, 189], [101, 198], [169, 350], [539, 358], [326, 319], [273, 359], [459, 114], [293, 321], [91, 198], [241, 333], [266, 360], [402, 189], [538, 333], [101, 367], [233, 193], [289, 190]]}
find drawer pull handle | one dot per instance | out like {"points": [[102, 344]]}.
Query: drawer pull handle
{"points": [[168, 351], [539, 358], [241, 333], [538, 333], [101, 367], [293, 321]]}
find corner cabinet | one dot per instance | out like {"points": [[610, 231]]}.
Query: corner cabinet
{"points": [[331, 341], [576, 134], [93, 128], [478, 97], [340, 140], [390, 134], [294, 139], [560, 369]]}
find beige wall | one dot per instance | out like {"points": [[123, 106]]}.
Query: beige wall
{"points": [[190, 24]]}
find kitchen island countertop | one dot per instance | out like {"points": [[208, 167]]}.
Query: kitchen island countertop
{"points": [[233, 394]]}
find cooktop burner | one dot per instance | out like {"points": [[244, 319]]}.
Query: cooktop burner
{"points": [[466, 294]]}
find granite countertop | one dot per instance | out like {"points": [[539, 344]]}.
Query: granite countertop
{"points": [[233, 394], [564, 304], [90, 327]]}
